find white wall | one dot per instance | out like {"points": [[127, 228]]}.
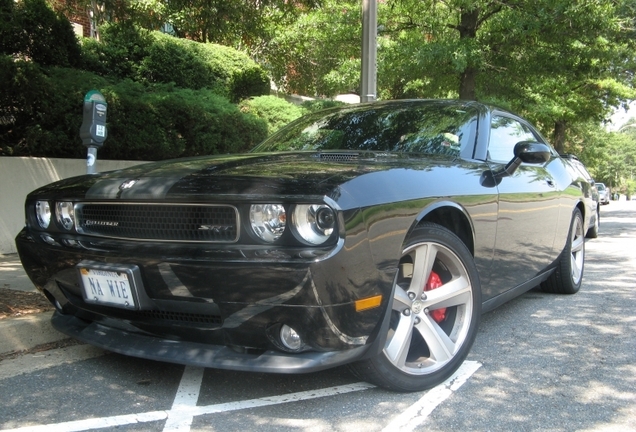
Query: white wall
{"points": [[19, 176]]}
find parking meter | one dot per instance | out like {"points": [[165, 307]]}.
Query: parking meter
{"points": [[93, 131]]}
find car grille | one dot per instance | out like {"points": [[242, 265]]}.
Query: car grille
{"points": [[161, 222]]}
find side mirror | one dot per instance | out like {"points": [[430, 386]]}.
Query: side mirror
{"points": [[529, 152], [532, 152]]}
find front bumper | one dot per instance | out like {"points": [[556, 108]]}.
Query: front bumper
{"points": [[199, 354], [233, 308]]}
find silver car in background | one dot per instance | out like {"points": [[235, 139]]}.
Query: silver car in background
{"points": [[603, 193]]}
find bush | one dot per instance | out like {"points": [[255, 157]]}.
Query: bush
{"points": [[175, 60], [119, 53], [29, 29], [144, 122], [244, 77], [630, 188], [320, 104], [164, 122], [275, 111], [155, 57], [252, 80], [24, 89], [7, 27], [54, 131]]}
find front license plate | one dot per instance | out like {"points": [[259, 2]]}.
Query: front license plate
{"points": [[109, 285]]}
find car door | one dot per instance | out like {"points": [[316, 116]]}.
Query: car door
{"points": [[528, 207]]}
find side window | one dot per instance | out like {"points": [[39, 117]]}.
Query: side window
{"points": [[505, 132]]}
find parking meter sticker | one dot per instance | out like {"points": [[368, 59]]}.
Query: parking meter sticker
{"points": [[100, 131]]}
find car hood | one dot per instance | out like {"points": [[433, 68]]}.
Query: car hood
{"points": [[229, 177]]}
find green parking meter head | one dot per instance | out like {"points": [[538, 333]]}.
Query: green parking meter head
{"points": [[93, 131], [94, 95]]}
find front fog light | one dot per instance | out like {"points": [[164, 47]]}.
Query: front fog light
{"points": [[268, 221], [65, 214], [290, 339], [43, 213], [314, 223]]}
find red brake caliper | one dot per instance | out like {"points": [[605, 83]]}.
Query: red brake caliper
{"points": [[434, 281]]}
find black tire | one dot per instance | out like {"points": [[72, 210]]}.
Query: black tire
{"points": [[592, 232], [568, 274], [431, 332]]}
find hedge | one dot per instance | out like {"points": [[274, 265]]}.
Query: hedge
{"points": [[41, 112], [155, 57], [167, 97], [275, 111]]}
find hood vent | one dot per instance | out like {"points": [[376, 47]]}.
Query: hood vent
{"points": [[338, 157]]}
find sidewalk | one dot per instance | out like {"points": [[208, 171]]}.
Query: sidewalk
{"points": [[12, 274], [28, 331]]}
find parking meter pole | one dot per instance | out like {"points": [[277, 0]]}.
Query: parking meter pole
{"points": [[93, 131], [368, 72], [91, 159]]}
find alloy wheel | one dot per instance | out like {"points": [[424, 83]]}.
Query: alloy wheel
{"points": [[432, 309], [577, 252]]}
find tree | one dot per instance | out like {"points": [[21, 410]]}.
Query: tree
{"points": [[573, 70], [229, 22], [556, 61], [609, 156], [319, 52], [31, 30]]}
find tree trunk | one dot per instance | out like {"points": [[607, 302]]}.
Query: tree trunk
{"points": [[468, 30], [558, 135], [467, 81]]}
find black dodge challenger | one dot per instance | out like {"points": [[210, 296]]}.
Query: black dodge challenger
{"points": [[372, 235]]}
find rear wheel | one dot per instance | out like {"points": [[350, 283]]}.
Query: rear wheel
{"points": [[434, 315], [592, 232], [568, 275]]}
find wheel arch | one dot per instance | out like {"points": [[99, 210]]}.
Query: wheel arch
{"points": [[585, 213], [451, 216], [581, 206]]}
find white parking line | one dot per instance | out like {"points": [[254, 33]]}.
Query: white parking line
{"points": [[417, 413], [192, 411], [179, 417], [184, 408]]}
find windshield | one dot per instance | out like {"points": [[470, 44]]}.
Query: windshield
{"points": [[432, 128], [600, 186]]}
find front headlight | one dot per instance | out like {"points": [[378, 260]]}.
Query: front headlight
{"points": [[65, 214], [268, 221], [43, 213], [314, 222]]}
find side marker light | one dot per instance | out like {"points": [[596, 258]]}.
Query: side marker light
{"points": [[368, 303]]}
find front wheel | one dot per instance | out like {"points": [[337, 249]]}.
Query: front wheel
{"points": [[434, 315]]}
